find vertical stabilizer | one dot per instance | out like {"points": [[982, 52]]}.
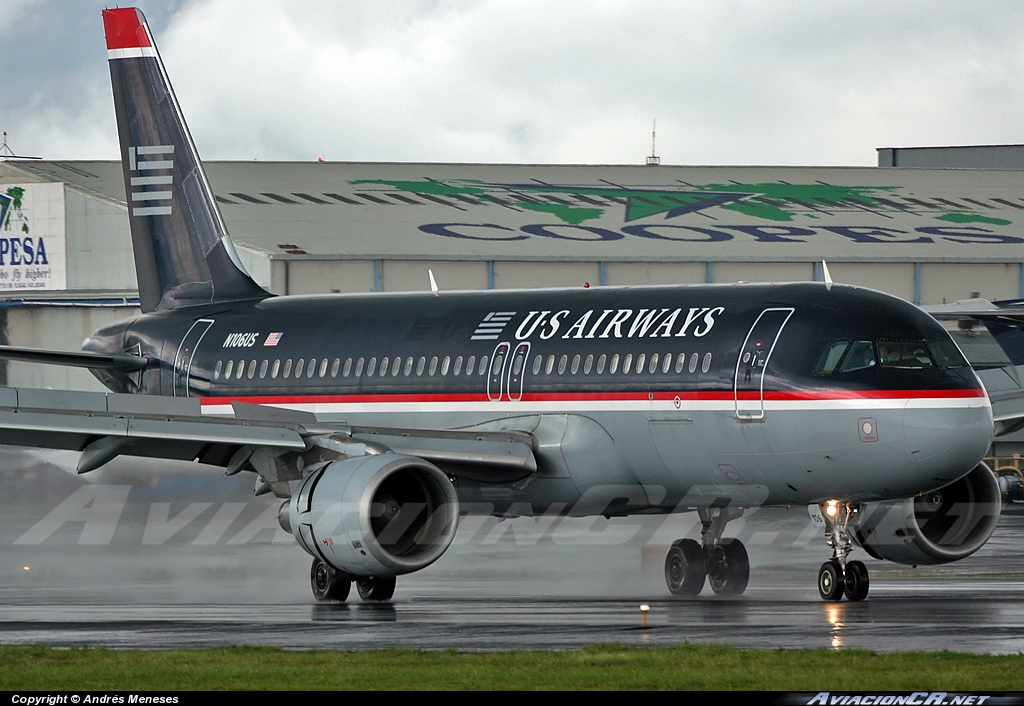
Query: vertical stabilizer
{"points": [[183, 255]]}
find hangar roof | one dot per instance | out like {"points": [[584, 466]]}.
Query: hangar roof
{"points": [[344, 210]]}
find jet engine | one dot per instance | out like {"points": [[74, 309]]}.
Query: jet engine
{"points": [[380, 515], [937, 527]]}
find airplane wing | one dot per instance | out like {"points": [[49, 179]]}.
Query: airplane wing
{"points": [[79, 359], [1003, 380], [276, 443]]}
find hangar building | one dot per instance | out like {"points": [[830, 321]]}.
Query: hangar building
{"points": [[926, 235]]}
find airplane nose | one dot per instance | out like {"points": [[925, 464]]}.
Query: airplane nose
{"points": [[947, 440]]}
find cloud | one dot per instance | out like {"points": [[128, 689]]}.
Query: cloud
{"points": [[788, 82]]}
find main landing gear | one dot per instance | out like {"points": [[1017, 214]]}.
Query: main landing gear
{"points": [[722, 562], [838, 577], [329, 584]]}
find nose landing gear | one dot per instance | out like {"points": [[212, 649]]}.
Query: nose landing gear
{"points": [[838, 577]]}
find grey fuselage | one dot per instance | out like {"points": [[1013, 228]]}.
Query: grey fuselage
{"points": [[640, 399]]}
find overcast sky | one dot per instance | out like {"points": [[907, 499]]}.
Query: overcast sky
{"points": [[730, 82]]}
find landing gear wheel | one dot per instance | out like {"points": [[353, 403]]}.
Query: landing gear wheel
{"points": [[728, 568], [856, 582], [376, 588], [328, 583], [831, 582], [685, 568]]}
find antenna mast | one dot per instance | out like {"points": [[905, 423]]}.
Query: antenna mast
{"points": [[7, 153], [654, 160]]}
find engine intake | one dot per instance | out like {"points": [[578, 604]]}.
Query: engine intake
{"points": [[381, 515], [937, 527]]}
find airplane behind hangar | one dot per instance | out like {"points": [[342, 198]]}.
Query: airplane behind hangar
{"points": [[375, 416]]}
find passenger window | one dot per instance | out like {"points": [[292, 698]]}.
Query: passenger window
{"points": [[228, 368], [588, 364], [384, 366], [239, 370], [483, 366], [396, 366], [693, 363], [371, 367], [445, 364], [299, 366], [335, 367], [263, 368], [653, 367], [575, 364], [627, 363], [323, 367], [433, 366], [216, 369], [458, 366], [666, 364], [408, 366], [640, 363], [420, 365], [614, 364], [359, 368], [706, 365], [276, 369], [680, 362], [348, 368], [600, 364], [311, 368], [561, 364], [496, 368], [287, 369], [470, 364], [251, 373], [550, 366], [537, 363]]}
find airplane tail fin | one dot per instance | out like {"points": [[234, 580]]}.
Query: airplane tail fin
{"points": [[183, 255]]}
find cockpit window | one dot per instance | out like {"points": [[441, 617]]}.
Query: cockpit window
{"points": [[904, 354], [845, 357], [947, 354], [861, 355], [830, 357]]}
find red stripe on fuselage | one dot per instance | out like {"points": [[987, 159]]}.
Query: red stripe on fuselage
{"points": [[819, 395]]}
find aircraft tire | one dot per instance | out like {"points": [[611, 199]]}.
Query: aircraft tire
{"points": [[729, 573], [328, 583], [856, 581], [831, 582], [685, 568], [376, 588]]}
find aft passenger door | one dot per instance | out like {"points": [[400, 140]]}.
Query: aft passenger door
{"points": [[748, 383], [183, 358]]}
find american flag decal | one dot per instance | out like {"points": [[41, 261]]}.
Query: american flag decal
{"points": [[273, 338], [490, 328]]}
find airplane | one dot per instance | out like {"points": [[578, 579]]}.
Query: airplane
{"points": [[378, 419]]}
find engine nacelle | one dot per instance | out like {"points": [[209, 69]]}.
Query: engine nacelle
{"points": [[943, 525], [381, 515]]}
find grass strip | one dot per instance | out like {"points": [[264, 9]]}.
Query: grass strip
{"points": [[701, 667]]}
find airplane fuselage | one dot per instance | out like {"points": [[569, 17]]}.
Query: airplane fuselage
{"points": [[760, 393]]}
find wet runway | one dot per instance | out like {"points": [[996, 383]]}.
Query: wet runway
{"points": [[193, 562]]}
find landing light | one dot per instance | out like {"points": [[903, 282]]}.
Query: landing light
{"points": [[832, 508]]}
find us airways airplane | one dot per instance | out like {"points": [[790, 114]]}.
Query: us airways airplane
{"points": [[378, 418]]}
